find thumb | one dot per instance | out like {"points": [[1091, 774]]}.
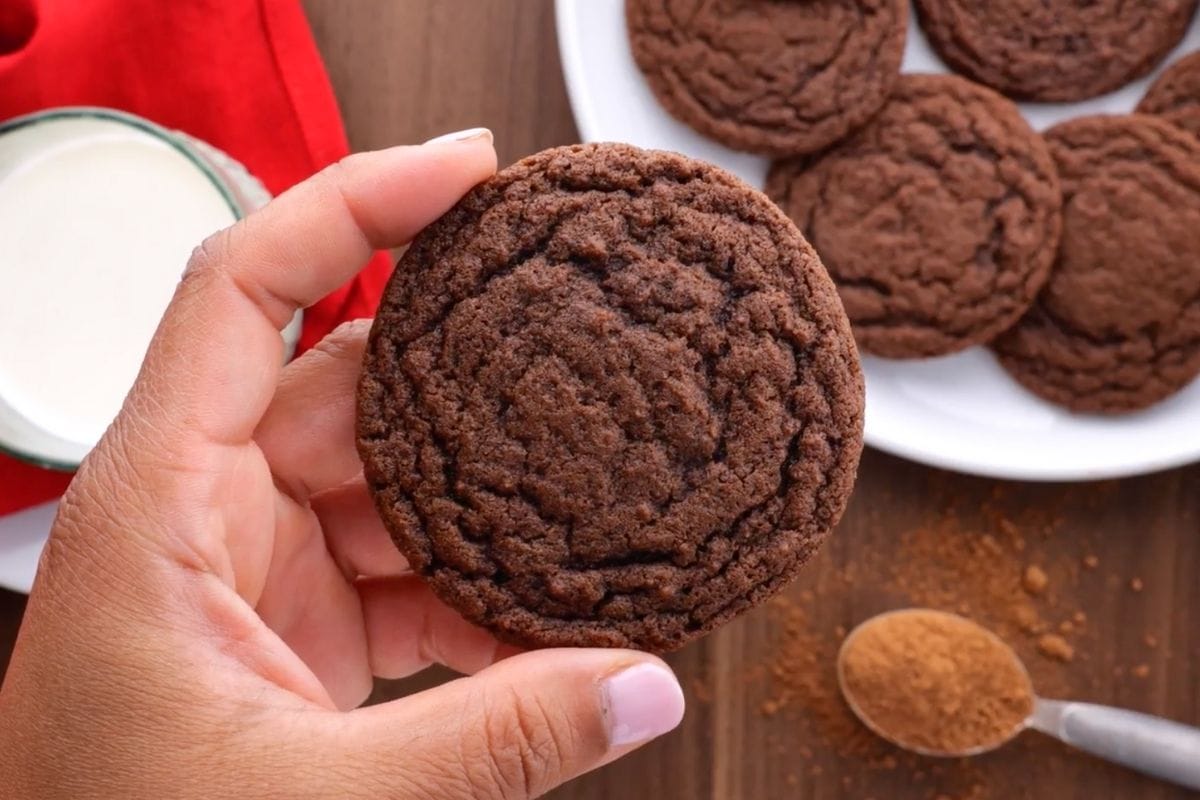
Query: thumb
{"points": [[515, 730]]}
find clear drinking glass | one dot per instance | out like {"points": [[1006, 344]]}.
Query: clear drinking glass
{"points": [[22, 139]]}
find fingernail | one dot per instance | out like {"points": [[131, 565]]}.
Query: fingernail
{"points": [[462, 136], [640, 703]]}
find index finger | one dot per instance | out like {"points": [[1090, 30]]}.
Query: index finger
{"points": [[212, 367]]}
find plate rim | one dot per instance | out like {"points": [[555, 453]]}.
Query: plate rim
{"points": [[1030, 473]]}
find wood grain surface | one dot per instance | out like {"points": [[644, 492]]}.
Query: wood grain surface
{"points": [[407, 70]]}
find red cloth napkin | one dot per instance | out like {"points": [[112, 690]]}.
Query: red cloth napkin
{"points": [[244, 75]]}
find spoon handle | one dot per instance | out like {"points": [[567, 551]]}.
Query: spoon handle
{"points": [[1153, 745]]}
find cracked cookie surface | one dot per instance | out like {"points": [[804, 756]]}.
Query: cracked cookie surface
{"points": [[609, 399], [1175, 95], [938, 220], [765, 76], [1054, 50], [1117, 327]]}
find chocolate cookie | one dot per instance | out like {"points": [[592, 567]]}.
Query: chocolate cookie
{"points": [[937, 220], [1054, 50], [1175, 96], [1117, 327], [610, 399], [770, 77]]}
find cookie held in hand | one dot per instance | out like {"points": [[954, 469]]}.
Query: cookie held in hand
{"points": [[610, 399]]}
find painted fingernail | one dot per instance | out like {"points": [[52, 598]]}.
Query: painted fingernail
{"points": [[640, 703], [468, 135]]}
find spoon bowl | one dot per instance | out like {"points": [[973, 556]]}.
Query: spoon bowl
{"points": [[856, 707]]}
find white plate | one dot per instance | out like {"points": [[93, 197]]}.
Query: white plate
{"points": [[961, 412]]}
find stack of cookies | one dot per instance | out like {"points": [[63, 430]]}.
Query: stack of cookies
{"points": [[944, 218]]}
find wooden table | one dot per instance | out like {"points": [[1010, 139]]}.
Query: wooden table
{"points": [[406, 70]]}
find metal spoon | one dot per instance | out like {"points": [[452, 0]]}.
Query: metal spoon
{"points": [[1153, 745]]}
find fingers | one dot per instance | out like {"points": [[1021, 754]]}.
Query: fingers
{"points": [[517, 729], [356, 538], [307, 433], [212, 367], [408, 629]]}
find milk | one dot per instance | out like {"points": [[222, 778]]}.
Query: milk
{"points": [[97, 220]]}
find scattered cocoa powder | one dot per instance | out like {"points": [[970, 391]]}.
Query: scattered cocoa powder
{"points": [[1012, 533], [1035, 579], [1136, 584], [1054, 646], [975, 792], [946, 565], [1150, 640], [1141, 671], [937, 560], [804, 675], [1027, 619], [934, 681]]}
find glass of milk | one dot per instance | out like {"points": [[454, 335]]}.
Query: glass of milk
{"points": [[99, 212]]}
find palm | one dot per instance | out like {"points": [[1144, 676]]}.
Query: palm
{"points": [[336, 601]]}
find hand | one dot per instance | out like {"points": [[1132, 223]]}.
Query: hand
{"points": [[217, 589]]}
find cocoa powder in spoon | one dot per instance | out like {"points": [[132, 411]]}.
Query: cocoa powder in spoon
{"points": [[935, 682]]}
